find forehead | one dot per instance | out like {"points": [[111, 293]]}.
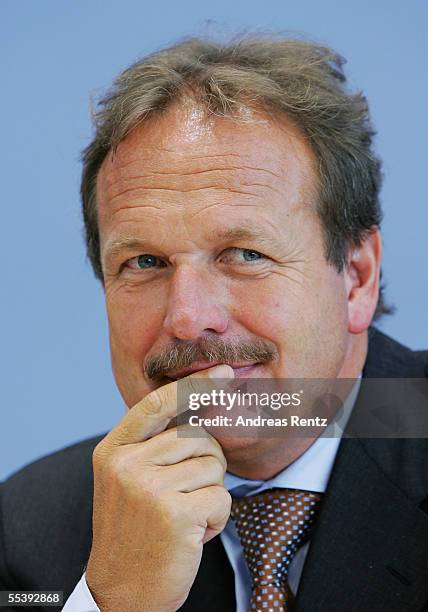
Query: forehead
{"points": [[183, 171], [185, 135]]}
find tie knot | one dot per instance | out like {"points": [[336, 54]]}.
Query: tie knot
{"points": [[272, 526]]}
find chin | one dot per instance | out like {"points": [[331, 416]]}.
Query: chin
{"points": [[241, 447]]}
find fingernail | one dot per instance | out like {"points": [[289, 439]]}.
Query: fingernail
{"points": [[221, 371]]}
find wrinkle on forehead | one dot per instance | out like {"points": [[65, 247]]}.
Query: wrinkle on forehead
{"points": [[184, 150], [232, 180]]}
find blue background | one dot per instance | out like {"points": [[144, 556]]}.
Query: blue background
{"points": [[56, 380]]}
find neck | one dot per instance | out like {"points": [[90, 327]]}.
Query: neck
{"points": [[269, 456]]}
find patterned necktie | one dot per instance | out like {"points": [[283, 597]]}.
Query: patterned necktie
{"points": [[272, 526]]}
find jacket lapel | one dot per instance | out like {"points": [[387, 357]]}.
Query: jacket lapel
{"points": [[370, 543]]}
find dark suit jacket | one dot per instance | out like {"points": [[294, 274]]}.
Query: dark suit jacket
{"points": [[369, 547]]}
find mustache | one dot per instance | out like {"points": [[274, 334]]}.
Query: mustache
{"points": [[183, 353]]}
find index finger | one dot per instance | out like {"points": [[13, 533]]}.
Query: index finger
{"points": [[152, 414]]}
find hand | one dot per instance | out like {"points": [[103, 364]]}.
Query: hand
{"points": [[157, 499]]}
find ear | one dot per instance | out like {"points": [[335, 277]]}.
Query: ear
{"points": [[362, 282]]}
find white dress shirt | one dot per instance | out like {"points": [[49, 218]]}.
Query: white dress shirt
{"points": [[310, 472]]}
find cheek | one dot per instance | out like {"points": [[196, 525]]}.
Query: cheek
{"points": [[264, 309], [306, 321], [134, 323]]}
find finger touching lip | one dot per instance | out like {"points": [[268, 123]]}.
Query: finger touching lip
{"points": [[239, 370]]}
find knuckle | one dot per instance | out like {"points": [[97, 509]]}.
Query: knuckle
{"points": [[217, 467], [225, 498], [114, 468], [149, 482], [110, 469], [214, 448], [226, 509], [152, 403], [168, 511], [209, 443], [117, 463], [119, 466], [191, 384], [222, 469], [121, 470], [213, 443]]}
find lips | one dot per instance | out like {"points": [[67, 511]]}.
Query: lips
{"points": [[241, 370]]}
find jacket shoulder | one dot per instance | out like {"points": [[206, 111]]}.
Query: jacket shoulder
{"points": [[50, 469], [46, 516], [389, 358], [403, 459]]}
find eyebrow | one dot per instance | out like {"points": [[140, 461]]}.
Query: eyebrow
{"points": [[237, 233], [123, 244], [244, 232]]}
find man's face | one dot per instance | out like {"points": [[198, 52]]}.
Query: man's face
{"points": [[222, 248]]}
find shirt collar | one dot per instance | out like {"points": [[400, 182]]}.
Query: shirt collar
{"points": [[311, 471]]}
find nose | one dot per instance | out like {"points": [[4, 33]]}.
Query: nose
{"points": [[195, 304]]}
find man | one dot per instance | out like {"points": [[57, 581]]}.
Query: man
{"points": [[230, 198]]}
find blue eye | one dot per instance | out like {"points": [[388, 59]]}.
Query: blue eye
{"points": [[236, 255], [251, 255], [147, 261]]}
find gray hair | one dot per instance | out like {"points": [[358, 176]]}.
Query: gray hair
{"points": [[302, 80]]}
